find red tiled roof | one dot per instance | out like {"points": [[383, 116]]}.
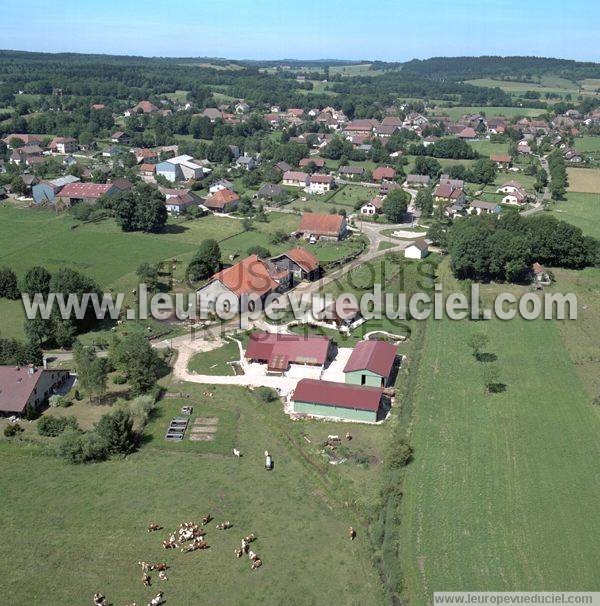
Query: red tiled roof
{"points": [[293, 175], [500, 158], [147, 168], [306, 260], [321, 178], [375, 356], [296, 349], [221, 198], [84, 190], [341, 395], [383, 172], [249, 276], [321, 225], [318, 162]]}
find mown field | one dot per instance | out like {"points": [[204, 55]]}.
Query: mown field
{"points": [[584, 180], [89, 531], [582, 210], [503, 491], [546, 84], [457, 112]]}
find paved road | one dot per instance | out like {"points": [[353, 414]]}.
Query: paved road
{"points": [[545, 194]]}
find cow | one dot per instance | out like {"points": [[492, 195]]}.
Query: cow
{"points": [[152, 527], [224, 525], [257, 563], [351, 533], [157, 600], [206, 519]]}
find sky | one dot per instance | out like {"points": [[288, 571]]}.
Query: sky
{"points": [[391, 30]]}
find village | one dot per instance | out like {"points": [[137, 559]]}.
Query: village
{"points": [[334, 440]]}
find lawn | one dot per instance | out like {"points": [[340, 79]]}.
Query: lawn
{"points": [[582, 210], [91, 522], [503, 490], [215, 362], [584, 180]]}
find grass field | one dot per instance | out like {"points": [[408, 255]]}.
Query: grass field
{"points": [[587, 144], [457, 112], [92, 530], [584, 180], [486, 148], [582, 210], [546, 84], [503, 490], [111, 256], [215, 362]]}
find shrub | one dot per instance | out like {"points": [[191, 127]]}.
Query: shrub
{"points": [[54, 400], [400, 454], [265, 394], [11, 431], [76, 447], [53, 426], [141, 408], [119, 380]]}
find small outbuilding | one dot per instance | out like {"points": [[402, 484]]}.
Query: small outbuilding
{"points": [[419, 249], [371, 363]]}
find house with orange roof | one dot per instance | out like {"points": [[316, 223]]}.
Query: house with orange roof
{"points": [[222, 201], [328, 227], [240, 286]]}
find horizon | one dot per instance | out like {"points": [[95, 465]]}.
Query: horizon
{"points": [[252, 31], [301, 60]]}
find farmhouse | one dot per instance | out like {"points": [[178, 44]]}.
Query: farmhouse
{"points": [[63, 145], [279, 351], [337, 400], [318, 162], [222, 201], [319, 184], [419, 249], [317, 225], [27, 389], [251, 277], [295, 179], [501, 160], [418, 180], [351, 171], [303, 264], [384, 173], [371, 363]]}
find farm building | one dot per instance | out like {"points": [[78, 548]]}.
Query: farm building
{"points": [[46, 191], [73, 193], [371, 363], [23, 388], [337, 400], [251, 277], [303, 264], [279, 351], [330, 227]]}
